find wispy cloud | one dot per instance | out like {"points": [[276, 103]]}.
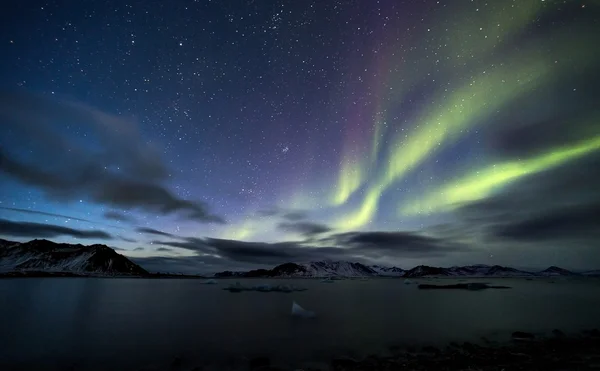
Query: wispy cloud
{"points": [[27, 229], [120, 171]]}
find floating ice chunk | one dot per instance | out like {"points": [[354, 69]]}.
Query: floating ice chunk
{"points": [[408, 282], [298, 311], [327, 280], [210, 282], [237, 287], [262, 288], [476, 286]]}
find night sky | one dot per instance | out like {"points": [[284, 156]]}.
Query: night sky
{"points": [[201, 135]]}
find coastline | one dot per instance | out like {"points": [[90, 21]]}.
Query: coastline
{"points": [[523, 351]]}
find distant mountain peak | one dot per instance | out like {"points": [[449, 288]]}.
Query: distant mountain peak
{"points": [[556, 271]]}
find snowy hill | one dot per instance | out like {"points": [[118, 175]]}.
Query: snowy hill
{"points": [[556, 271], [322, 269], [47, 256], [388, 271], [479, 270], [424, 270], [595, 273], [312, 269]]}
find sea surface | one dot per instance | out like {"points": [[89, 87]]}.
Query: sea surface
{"points": [[134, 324]]}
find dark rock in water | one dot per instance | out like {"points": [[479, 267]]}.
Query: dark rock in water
{"points": [[343, 364], [431, 349], [259, 363], [476, 286], [594, 332], [521, 335], [176, 364], [487, 341]]}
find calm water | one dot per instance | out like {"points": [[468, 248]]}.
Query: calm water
{"points": [[134, 323]]}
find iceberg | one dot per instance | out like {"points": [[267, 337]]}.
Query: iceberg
{"points": [[237, 287], [298, 311], [262, 288], [327, 280], [210, 282], [407, 282], [476, 286]]}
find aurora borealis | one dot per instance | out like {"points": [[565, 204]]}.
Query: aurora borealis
{"points": [[199, 135]]}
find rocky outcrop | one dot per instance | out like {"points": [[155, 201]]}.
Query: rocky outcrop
{"points": [[45, 256]]}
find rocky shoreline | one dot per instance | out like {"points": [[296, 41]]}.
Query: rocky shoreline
{"points": [[524, 351]]}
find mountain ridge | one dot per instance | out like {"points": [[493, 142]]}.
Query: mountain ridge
{"points": [[43, 257], [326, 269], [51, 257]]}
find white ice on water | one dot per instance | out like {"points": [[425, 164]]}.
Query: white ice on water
{"points": [[298, 311]]}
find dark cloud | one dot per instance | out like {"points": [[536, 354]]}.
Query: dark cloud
{"points": [[268, 212], [139, 249], [205, 264], [294, 216], [390, 240], [126, 239], [547, 196], [27, 229], [119, 170], [163, 249], [254, 252], [34, 212], [572, 222], [117, 216], [356, 246], [396, 244], [187, 243], [286, 214], [554, 211], [304, 228], [153, 232]]}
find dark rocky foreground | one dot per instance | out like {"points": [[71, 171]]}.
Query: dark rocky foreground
{"points": [[524, 351]]}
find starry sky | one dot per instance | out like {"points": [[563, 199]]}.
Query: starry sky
{"points": [[200, 135]]}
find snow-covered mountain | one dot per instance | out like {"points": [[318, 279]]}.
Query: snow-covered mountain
{"points": [[347, 269], [556, 271], [313, 269], [479, 270], [594, 273], [388, 271], [42, 256], [338, 268], [47, 256]]}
